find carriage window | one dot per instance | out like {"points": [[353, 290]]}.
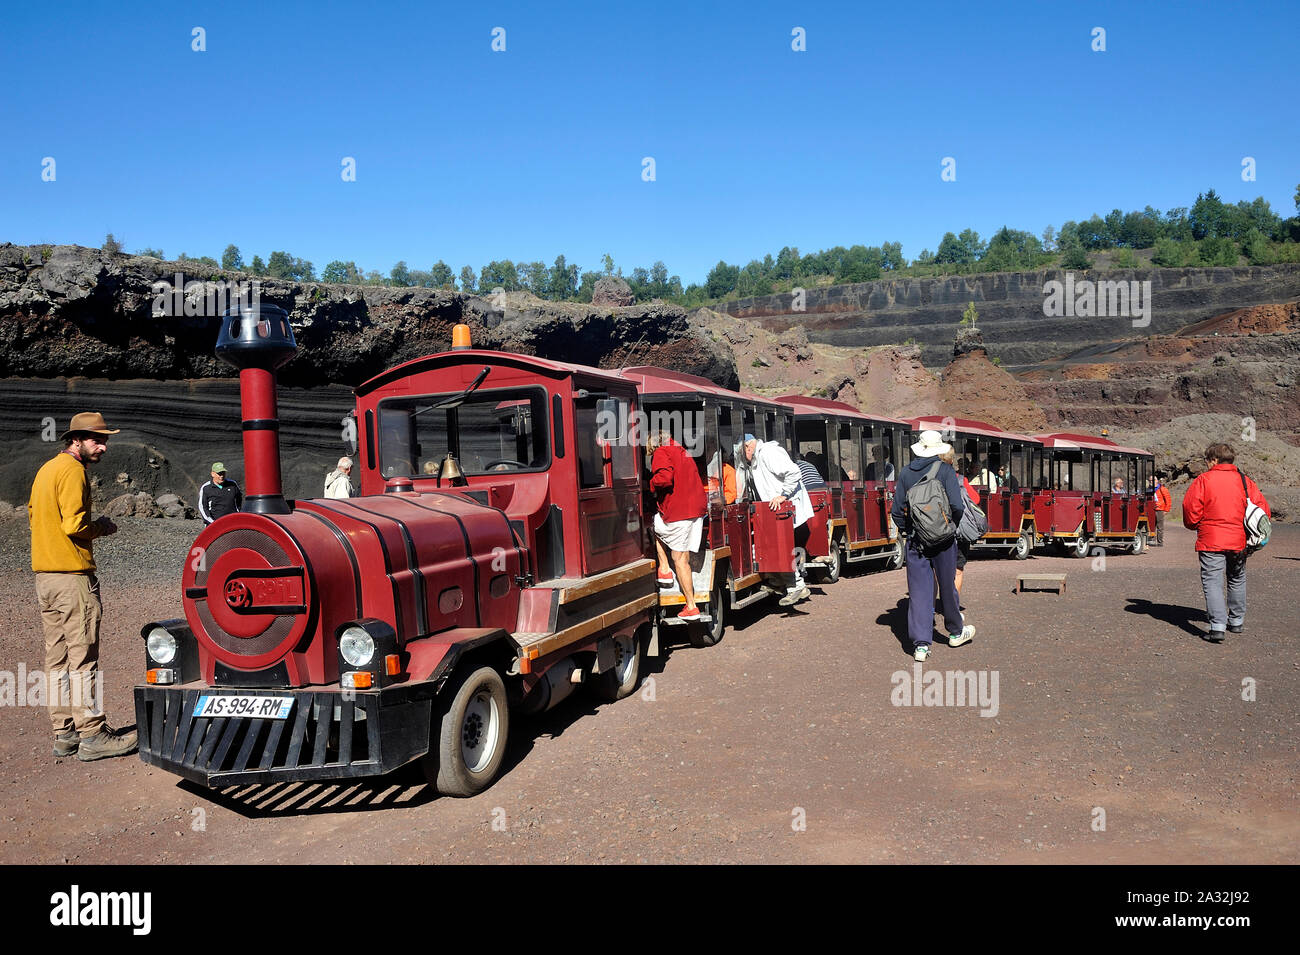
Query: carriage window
{"points": [[591, 460], [497, 430], [850, 466]]}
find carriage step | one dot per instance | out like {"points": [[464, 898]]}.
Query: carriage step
{"points": [[675, 621], [1052, 581]]}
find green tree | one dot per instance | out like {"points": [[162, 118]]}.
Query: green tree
{"points": [[156, 253], [500, 274], [969, 316], [231, 259], [722, 279], [467, 280], [440, 276], [258, 267], [1218, 251], [342, 273], [399, 274], [563, 280], [1257, 249], [534, 277], [111, 244], [607, 264], [1075, 257]]}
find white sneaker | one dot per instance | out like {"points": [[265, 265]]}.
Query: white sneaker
{"points": [[967, 633], [921, 652]]}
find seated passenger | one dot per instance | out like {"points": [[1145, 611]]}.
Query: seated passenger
{"points": [[812, 479]]}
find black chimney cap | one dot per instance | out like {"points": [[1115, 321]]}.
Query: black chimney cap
{"points": [[256, 336]]}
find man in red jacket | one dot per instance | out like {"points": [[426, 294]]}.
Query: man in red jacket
{"points": [[679, 523], [1215, 507]]}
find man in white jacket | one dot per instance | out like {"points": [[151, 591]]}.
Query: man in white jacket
{"points": [[776, 479], [337, 483]]}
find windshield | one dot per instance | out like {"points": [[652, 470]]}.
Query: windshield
{"points": [[490, 431]]}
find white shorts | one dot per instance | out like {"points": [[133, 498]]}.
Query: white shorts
{"points": [[681, 536]]}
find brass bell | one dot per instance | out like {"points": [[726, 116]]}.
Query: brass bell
{"points": [[451, 472]]}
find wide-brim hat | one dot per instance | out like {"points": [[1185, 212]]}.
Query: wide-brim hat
{"points": [[930, 445], [91, 422]]}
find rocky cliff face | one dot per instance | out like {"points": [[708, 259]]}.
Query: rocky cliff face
{"points": [[66, 310], [1011, 309]]}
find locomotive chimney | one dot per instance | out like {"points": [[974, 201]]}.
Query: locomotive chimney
{"points": [[257, 340]]}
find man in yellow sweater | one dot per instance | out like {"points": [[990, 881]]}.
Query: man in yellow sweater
{"points": [[62, 535]]}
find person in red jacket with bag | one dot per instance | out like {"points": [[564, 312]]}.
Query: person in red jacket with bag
{"points": [[1164, 503], [679, 523], [1215, 507]]}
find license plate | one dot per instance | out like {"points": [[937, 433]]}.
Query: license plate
{"points": [[245, 707]]}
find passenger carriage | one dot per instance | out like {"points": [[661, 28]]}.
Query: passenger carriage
{"points": [[745, 542], [1076, 509], [981, 450], [855, 453]]}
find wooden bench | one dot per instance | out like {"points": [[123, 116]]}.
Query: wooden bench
{"points": [[1057, 581]]}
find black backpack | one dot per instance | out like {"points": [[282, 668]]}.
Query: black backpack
{"points": [[929, 511]]}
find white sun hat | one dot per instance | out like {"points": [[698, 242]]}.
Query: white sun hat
{"points": [[930, 444]]}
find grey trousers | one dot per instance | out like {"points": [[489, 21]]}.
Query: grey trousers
{"points": [[1215, 565]]}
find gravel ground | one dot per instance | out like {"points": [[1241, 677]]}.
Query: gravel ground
{"points": [[781, 744]]}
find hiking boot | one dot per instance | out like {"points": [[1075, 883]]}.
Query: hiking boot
{"points": [[1235, 627], [921, 652], [957, 639], [107, 743], [66, 743], [1215, 636]]}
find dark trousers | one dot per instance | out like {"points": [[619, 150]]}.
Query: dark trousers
{"points": [[1160, 526], [922, 569]]}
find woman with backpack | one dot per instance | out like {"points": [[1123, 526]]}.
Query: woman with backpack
{"points": [[928, 504], [1218, 506]]}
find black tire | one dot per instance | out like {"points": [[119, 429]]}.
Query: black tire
{"points": [[898, 557], [1139, 544], [474, 711], [621, 679], [833, 570], [1023, 546], [1080, 546], [710, 634]]}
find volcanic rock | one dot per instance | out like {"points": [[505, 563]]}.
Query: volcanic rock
{"points": [[140, 504], [612, 290]]}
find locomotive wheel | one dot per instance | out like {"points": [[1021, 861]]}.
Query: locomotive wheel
{"points": [[1139, 542], [1024, 544], [621, 679], [711, 633], [836, 565], [1079, 548], [472, 728]]}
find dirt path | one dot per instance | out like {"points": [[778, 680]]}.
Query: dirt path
{"points": [[1106, 701]]}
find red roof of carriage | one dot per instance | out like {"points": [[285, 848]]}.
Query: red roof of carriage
{"points": [[968, 426], [469, 355], [653, 380], [803, 404], [1071, 439]]}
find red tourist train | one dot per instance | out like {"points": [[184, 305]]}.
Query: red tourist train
{"points": [[498, 558]]}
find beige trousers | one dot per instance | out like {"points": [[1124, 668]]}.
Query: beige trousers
{"points": [[70, 613]]}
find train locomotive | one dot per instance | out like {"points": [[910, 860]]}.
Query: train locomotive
{"points": [[499, 556]]}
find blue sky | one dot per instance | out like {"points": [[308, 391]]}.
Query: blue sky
{"points": [[468, 155]]}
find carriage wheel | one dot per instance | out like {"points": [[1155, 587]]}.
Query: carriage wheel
{"points": [[1080, 546], [620, 680], [1024, 544], [1139, 542], [471, 726]]}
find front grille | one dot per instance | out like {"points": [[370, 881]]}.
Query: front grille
{"points": [[324, 736], [255, 541], [251, 646]]}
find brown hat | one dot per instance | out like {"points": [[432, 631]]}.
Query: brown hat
{"points": [[88, 421]]}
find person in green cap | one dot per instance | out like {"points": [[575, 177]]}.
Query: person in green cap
{"points": [[220, 496]]}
